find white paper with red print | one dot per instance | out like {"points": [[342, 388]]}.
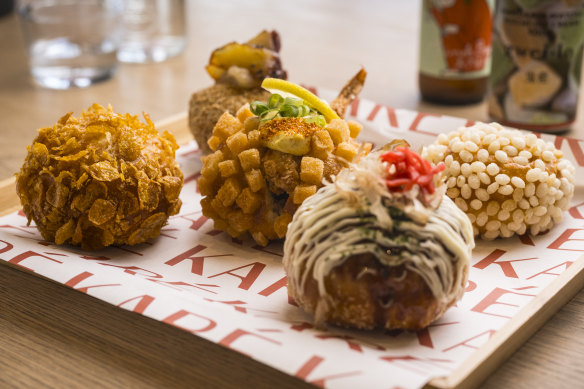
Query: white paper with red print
{"points": [[233, 293]]}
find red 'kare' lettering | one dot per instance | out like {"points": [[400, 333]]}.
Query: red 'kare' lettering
{"points": [[506, 266], [197, 262], [466, 342], [281, 283], [547, 271], [7, 247], [565, 237], [30, 254], [73, 282], [416, 122], [391, 116], [493, 299], [143, 302], [574, 145], [206, 325], [247, 280]]}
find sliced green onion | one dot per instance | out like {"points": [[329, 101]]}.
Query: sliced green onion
{"points": [[275, 101], [293, 101], [319, 120], [304, 110], [268, 115], [258, 107], [290, 111]]}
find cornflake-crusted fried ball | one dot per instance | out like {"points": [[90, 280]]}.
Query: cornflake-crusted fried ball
{"points": [[250, 187], [100, 179], [506, 181]]}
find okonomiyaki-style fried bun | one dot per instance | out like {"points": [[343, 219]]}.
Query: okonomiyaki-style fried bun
{"points": [[508, 182], [100, 179], [380, 247]]}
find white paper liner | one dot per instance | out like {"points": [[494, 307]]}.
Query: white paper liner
{"points": [[233, 293]]}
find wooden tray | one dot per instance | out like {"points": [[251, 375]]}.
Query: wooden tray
{"points": [[482, 362]]}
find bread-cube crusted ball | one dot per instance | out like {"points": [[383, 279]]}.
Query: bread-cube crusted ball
{"points": [[100, 179], [508, 182], [251, 184]]}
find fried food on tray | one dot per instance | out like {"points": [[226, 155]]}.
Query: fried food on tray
{"points": [[267, 159], [100, 179], [238, 70], [506, 181], [380, 247]]}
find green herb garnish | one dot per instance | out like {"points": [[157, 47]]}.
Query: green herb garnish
{"points": [[289, 107]]}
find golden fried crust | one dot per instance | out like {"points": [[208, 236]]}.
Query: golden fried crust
{"points": [[363, 293], [250, 188], [207, 105], [100, 179]]}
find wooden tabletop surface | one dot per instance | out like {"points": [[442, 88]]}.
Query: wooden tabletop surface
{"points": [[51, 336]]}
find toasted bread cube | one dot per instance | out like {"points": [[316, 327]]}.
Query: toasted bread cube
{"points": [[354, 128], [322, 140], [259, 238], [248, 201], [213, 142], [251, 123], [210, 164], [319, 154], [237, 142], [364, 149], [301, 192], [311, 170], [218, 206], [281, 224], [226, 126], [229, 191], [339, 130], [240, 221], [228, 168], [205, 186], [249, 159], [207, 208], [243, 113], [253, 138], [255, 180], [346, 150]]}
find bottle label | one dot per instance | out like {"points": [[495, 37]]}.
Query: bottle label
{"points": [[537, 60], [455, 38]]}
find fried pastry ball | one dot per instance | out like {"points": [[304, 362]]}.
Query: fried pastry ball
{"points": [[258, 174], [507, 182], [100, 179], [380, 247]]}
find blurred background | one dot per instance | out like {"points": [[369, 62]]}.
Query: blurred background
{"points": [[323, 44]]}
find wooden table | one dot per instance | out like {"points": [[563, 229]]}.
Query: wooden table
{"points": [[52, 336]]}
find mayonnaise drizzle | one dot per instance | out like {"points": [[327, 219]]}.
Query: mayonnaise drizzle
{"points": [[352, 216]]}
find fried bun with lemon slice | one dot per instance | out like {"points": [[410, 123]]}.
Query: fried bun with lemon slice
{"points": [[272, 155]]}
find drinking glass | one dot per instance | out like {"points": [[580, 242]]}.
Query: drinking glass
{"points": [[151, 30], [71, 43]]}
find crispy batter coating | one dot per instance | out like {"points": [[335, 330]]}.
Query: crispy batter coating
{"points": [[100, 179], [366, 294], [207, 105], [250, 188]]}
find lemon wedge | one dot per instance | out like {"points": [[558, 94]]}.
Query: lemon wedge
{"points": [[287, 88]]}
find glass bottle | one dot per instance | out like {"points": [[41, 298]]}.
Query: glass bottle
{"points": [[537, 61], [455, 50]]}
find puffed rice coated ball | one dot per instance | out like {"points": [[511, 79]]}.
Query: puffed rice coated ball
{"points": [[508, 182]]}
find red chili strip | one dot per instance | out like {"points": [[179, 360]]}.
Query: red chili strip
{"points": [[410, 169]]}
